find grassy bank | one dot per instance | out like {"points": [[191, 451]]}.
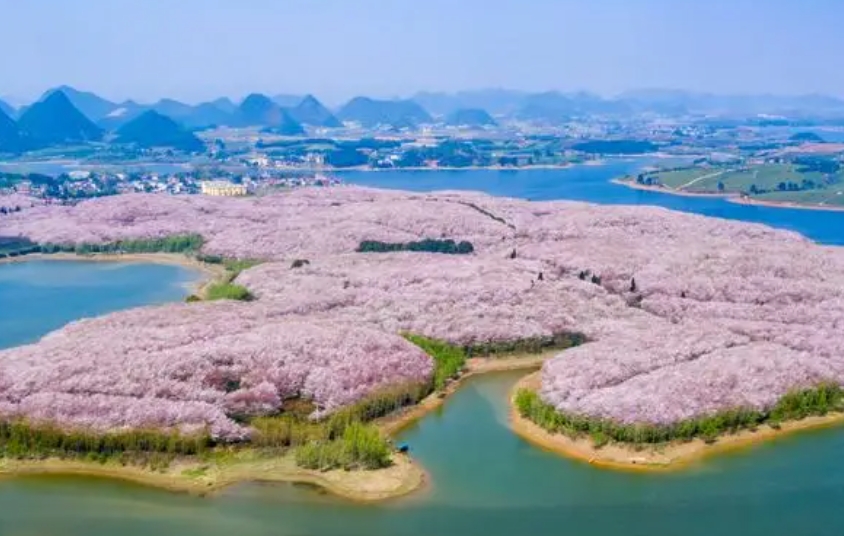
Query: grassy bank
{"points": [[207, 476], [794, 406]]}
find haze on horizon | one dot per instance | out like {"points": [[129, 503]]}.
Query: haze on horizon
{"points": [[196, 50]]}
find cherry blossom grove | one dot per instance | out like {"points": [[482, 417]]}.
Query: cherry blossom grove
{"points": [[191, 366], [685, 315], [18, 202]]}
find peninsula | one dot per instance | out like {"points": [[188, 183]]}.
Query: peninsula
{"points": [[795, 181], [362, 302]]}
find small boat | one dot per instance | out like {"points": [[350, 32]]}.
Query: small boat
{"points": [[403, 448]]}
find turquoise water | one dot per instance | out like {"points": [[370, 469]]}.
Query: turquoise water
{"points": [[485, 480], [39, 296]]}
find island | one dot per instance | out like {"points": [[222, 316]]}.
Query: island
{"points": [[356, 310]]}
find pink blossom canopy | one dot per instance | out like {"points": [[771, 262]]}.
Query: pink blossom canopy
{"points": [[722, 313]]}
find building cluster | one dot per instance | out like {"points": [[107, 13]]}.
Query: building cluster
{"points": [[85, 184], [220, 188]]}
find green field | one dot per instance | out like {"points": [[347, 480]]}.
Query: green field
{"points": [[771, 182], [677, 178], [832, 197]]}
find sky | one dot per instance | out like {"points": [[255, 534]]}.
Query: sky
{"points": [[197, 50]]}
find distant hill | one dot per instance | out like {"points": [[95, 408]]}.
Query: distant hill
{"points": [[495, 101], [287, 101], [90, 104], [207, 114], [152, 129], [677, 101], [122, 114], [556, 107], [225, 104], [172, 108], [259, 110], [55, 120], [201, 116], [312, 112], [10, 138], [7, 109], [471, 117], [370, 112]]}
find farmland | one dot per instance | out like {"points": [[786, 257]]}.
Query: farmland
{"points": [[807, 182]]}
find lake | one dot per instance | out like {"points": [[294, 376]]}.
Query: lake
{"points": [[592, 184], [40, 296], [485, 480]]}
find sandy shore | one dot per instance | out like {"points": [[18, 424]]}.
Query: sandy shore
{"points": [[667, 457], [730, 197], [204, 478], [210, 272]]}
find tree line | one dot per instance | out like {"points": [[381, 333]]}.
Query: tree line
{"points": [[795, 405], [429, 245]]}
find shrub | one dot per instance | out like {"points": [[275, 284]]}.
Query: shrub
{"points": [[360, 447], [172, 244], [429, 245], [449, 360], [24, 440], [227, 291]]}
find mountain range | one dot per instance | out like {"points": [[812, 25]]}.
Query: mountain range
{"points": [[91, 105], [7, 109], [10, 137], [494, 101], [470, 117], [397, 113], [259, 110], [311, 112], [55, 120], [65, 115], [152, 129]]}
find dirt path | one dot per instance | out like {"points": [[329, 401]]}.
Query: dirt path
{"points": [[702, 177]]}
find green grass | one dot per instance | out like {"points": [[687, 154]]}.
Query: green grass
{"points": [[227, 291], [196, 472], [449, 360], [233, 266], [761, 181], [677, 178], [829, 197], [361, 446], [795, 405]]}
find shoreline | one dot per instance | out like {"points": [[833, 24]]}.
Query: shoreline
{"points": [[568, 165], [656, 458], [196, 477], [202, 478], [398, 421], [728, 197], [209, 272]]}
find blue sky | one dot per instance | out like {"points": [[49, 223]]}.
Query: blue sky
{"points": [[199, 49]]}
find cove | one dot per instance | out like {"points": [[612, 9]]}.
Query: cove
{"points": [[485, 481], [592, 184], [39, 296]]}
